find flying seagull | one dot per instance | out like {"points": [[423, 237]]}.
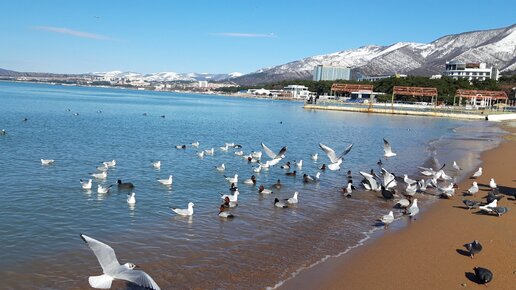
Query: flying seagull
{"points": [[113, 270], [336, 161], [387, 149]]}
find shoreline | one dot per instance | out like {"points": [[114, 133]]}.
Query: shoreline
{"points": [[426, 252]]}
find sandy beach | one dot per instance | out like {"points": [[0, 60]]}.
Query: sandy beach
{"points": [[429, 253]]}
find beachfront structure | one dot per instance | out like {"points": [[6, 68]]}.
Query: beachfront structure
{"points": [[470, 71], [354, 91], [331, 73], [297, 91], [481, 99], [415, 92], [203, 84]]}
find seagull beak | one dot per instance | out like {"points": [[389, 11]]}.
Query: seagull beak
{"points": [[136, 266]]}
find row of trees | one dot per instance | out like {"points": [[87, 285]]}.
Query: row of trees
{"points": [[446, 86]]}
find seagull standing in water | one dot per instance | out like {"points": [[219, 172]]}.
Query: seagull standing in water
{"points": [[387, 149], [112, 269], [336, 161], [387, 219], [413, 210]]}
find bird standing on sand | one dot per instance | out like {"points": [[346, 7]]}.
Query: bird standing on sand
{"points": [[473, 189], [470, 203], [478, 173], [473, 248], [483, 275], [492, 183], [113, 270]]}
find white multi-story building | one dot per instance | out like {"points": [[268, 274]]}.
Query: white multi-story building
{"points": [[470, 71], [297, 91]]}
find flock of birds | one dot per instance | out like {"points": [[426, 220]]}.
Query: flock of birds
{"points": [[385, 183]]}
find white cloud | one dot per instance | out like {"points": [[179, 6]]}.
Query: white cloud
{"points": [[239, 34], [68, 31]]}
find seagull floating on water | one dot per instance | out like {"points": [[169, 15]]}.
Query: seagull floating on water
{"points": [[156, 164], [233, 179], [111, 163], [232, 198], [112, 269], [293, 199], [167, 181], [387, 149], [47, 161], [195, 144], [184, 212], [315, 156], [131, 199], [221, 167], [101, 189], [280, 204], [86, 184], [100, 175]]}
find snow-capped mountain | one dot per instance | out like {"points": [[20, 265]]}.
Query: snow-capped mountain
{"points": [[168, 76], [496, 47]]}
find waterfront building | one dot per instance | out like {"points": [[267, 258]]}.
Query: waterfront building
{"points": [[297, 91], [470, 71], [331, 73]]}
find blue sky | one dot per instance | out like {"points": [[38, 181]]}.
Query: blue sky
{"points": [[219, 36]]}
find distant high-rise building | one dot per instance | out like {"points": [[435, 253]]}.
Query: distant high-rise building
{"points": [[470, 71], [331, 73]]}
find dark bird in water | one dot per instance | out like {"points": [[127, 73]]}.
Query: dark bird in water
{"points": [[349, 175], [484, 275], [379, 162], [237, 146], [145, 114], [388, 193], [471, 203], [473, 248], [162, 116], [25, 119], [291, 173], [323, 167], [278, 184], [124, 185], [233, 187]]}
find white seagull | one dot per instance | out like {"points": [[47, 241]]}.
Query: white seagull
{"points": [[387, 149], [156, 164], [336, 161], [221, 167], [293, 199], [299, 164], [185, 212], [47, 161], [195, 144], [131, 199], [233, 179], [280, 204], [167, 181], [111, 163], [478, 173], [473, 189], [102, 189], [200, 154], [101, 175], [387, 219], [456, 166], [492, 183], [112, 269], [315, 156], [209, 151], [239, 153], [86, 184], [413, 210], [408, 180], [232, 198]]}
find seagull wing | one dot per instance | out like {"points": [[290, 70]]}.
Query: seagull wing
{"points": [[346, 151], [387, 147], [370, 179], [138, 277], [281, 152], [331, 154], [268, 151], [104, 253]]}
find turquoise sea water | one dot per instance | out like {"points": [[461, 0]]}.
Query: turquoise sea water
{"points": [[44, 208]]}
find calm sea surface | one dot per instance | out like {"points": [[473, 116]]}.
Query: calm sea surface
{"points": [[43, 209]]}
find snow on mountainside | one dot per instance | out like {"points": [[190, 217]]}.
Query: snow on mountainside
{"points": [[168, 76], [496, 47]]}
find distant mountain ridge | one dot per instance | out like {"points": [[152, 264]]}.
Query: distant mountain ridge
{"points": [[169, 76], [495, 46]]}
